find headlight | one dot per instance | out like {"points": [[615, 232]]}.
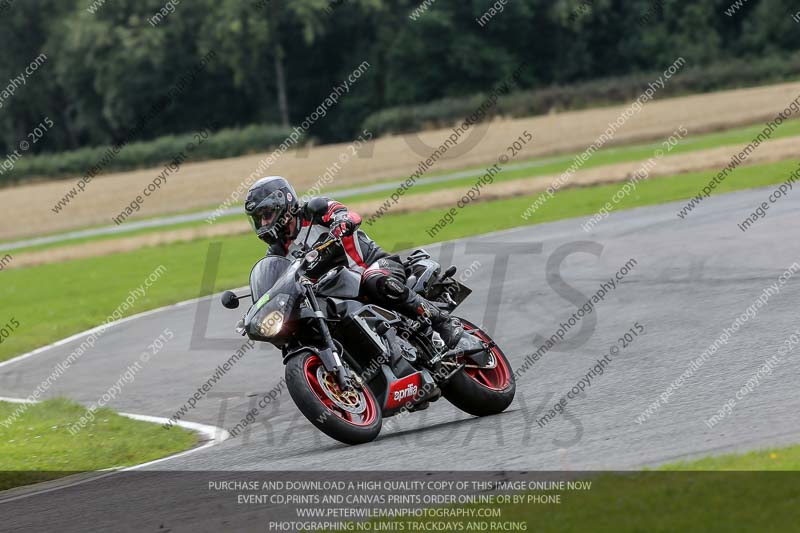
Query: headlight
{"points": [[271, 324]]}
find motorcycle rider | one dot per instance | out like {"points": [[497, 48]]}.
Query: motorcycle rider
{"points": [[287, 226]]}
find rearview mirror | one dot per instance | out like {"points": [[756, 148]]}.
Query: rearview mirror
{"points": [[229, 300]]}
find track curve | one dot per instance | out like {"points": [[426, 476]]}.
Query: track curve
{"points": [[692, 278]]}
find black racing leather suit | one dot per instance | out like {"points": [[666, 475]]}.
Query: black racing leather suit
{"points": [[383, 277]]}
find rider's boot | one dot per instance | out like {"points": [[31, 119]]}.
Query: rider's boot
{"points": [[448, 328]]}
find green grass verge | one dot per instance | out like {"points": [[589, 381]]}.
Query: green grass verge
{"points": [[530, 168], [88, 290], [735, 492], [656, 502], [37, 446], [608, 156], [772, 459], [123, 235]]}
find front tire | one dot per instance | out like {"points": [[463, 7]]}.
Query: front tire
{"points": [[482, 391], [351, 417]]}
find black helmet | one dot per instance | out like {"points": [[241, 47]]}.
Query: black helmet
{"points": [[273, 200]]}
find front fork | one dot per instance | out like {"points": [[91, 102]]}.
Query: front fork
{"points": [[331, 359]]}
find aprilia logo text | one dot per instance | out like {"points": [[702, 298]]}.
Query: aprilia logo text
{"points": [[408, 392]]}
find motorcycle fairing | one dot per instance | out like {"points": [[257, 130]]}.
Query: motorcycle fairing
{"points": [[339, 282], [412, 389], [274, 288], [265, 273]]}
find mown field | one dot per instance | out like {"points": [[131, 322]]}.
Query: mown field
{"points": [[691, 153], [27, 209]]}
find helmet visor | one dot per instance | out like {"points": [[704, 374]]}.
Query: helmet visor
{"points": [[267, 216]]}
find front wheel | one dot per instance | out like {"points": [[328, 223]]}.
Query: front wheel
{"points": [[482, 390], [351, 417]]}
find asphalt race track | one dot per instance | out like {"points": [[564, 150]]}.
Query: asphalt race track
{"points": [[692, 279]]}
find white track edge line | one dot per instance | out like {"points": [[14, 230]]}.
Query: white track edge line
{"points": [[214, 434], [109, 325]]}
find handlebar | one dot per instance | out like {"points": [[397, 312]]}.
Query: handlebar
{"points": [[325, 244], [303, 252], [309, 256]]}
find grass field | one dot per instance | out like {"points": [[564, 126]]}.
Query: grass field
{"points": [[27, 209], [38, 447], [99, 285], [526, 169], [608, 156]]}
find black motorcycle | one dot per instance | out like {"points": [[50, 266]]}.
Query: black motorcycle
{"points": [[349, 364]]}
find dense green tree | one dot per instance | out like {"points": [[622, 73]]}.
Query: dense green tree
{"points": [[253, 38], [25, 28], [276, 60]]}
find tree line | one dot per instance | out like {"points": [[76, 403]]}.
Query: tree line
{"points": [[274, 61]]}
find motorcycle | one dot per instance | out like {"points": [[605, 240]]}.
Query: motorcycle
{"points": [[349, 364]]}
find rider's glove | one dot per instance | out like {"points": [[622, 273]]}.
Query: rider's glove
{"points": [[342, 228]]}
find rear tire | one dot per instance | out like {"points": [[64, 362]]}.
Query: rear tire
{"points": [[351, 418], [482, 392]]}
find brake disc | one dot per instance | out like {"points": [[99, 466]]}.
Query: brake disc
{"points": [[349, 400]]}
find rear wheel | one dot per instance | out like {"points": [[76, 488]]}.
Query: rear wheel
{"points": [[482, 390], [350, 416]]}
